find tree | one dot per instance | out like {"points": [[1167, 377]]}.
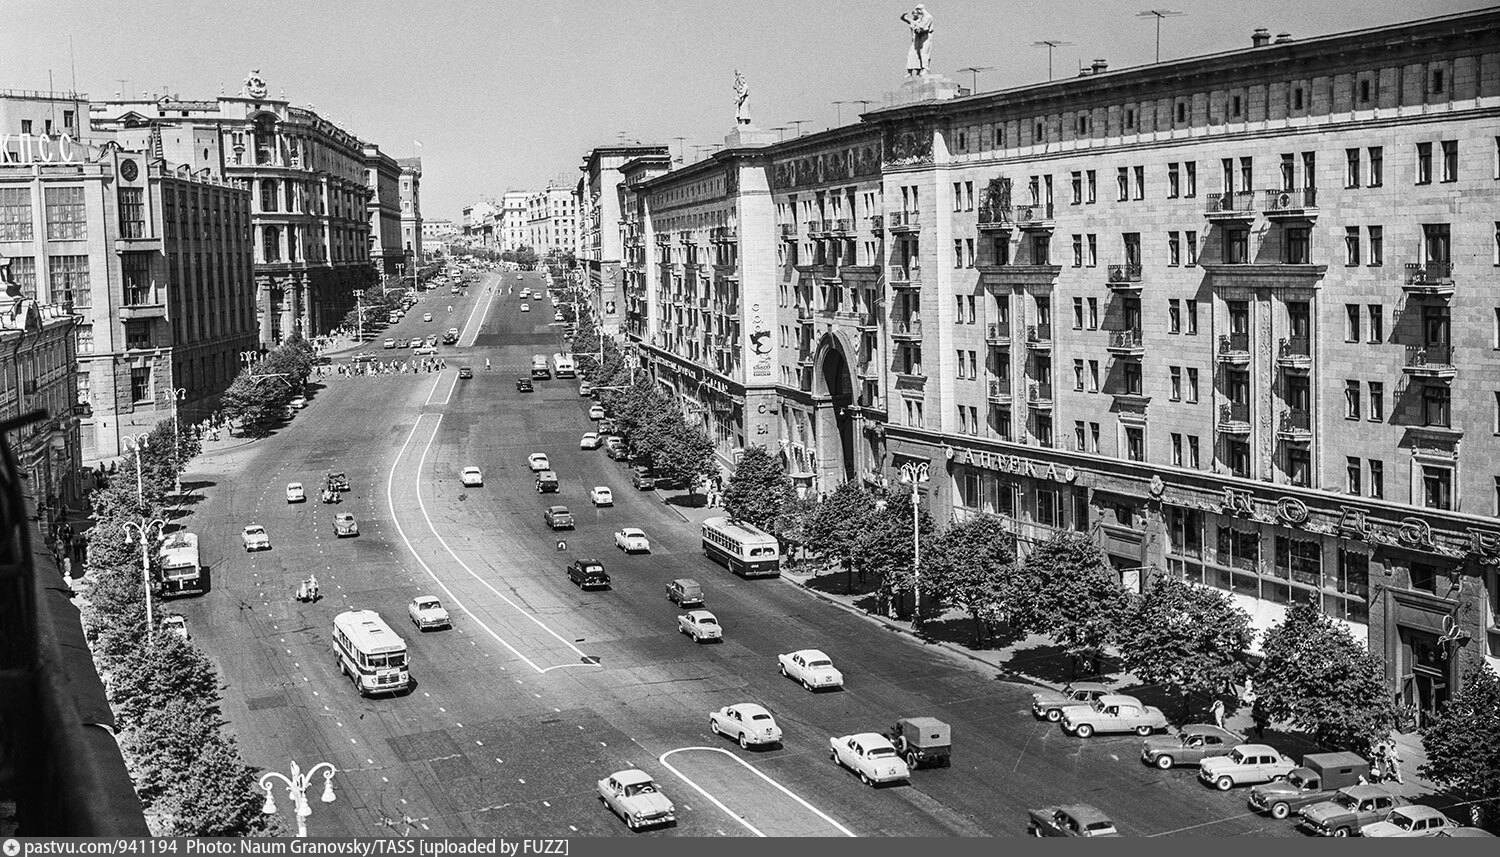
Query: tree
{"points": [[1316, 676], [841, 523], [168, 668], [1463, 740], [217, 796], [682, 452], [793, 525], [1067, 590], [759, 489], [250, 400], [1186, 637], [886, 549], [966, 564]]}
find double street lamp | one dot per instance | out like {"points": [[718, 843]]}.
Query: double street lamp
{"points": [[143, 529], [296, 789], [916, 474], [178, 395]]}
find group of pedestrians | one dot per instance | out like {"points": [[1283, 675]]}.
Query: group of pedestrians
{"points": [[392, 367]]}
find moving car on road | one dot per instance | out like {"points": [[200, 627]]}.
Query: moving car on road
{"points": [[472, 477], [588, 574], [1245, 765], [390, 342], [810, 667], [1113, 713], [427, 316], [1048, 704], [546, 482], [465, 372], [701, 625], [370, 653], [558, 518], [590, 440], [746, 723], [634, 797], [641, 479], [525, 307], [256, 538], [870, 755], [602, 496], [425, 611], [538, 462], [523, 385], [631, 539], [1196, 742], [685, 592], [1073, 820], [344, 525], [295, 493], [923, 741]]}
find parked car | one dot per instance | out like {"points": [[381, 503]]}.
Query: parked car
{"points": [[427, 316], [425, 611], [608, 425], [614, 447], [453, 332], [746, 723], [602, 496], [596, 412], [472, 477], [465, 372], [256, 538], [590, 440], [588, 573], [523, 385], [1112, 713], [631, 539], [1194, 743], [345, 525], [701, 625], [1316, 780], [1246, 764], [390, 342], [585, 388], [870, 755], [557, 316], [425, 349], [298, 402], [558, 518], [295, 493], [1073, 820], [1048, 704], [810, 667], [538, 462], [641, 479], [175, 624], [685, 592], [1410, 821], [635, 797], [546, 482], [1350, 809]]}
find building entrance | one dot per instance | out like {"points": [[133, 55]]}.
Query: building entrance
{"points": [[1424, 675]]}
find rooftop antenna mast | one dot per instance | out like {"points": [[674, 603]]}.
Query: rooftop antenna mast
{"points": [[799, 123], [839, 106], [679, 149], [1158, 14], [1050, 45], [781, 130], [974, 71]]}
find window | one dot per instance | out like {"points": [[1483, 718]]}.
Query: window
{"points": [[1122, 181], [1174, 250], [968, 252], [66, 218], [25, 126], [1247, 174], [1174, 315], [958, 253], [1077, 179], [1351, 322], [1181, 111], [1078, 251], [1044, 431], [1140, 182], [132, 212], [1049, 509], [1436, 406], [1298, 466], [1135, 443], [1351, 168], [1297, 98], [1236, 245], [1437, 487], [1377, 323], [1351, 400], [1424, 163], [1192, 385], [271, 244], [1298, 245], [1093, 313], [1377, 165], [1078, 376], [1300, 561], [1176, 449], [1351, 245], [268, 200], [140, 384], [68, 281], [1091, 254], [1364, 92], [1288, 171], [1079, 440], [1238, 453], [1352, 473], [1377, 246], [1094, 438], [1078, 313], [1193, 451], [15, 214], [1377, 401], [1190, 172], [1129, 118], [1093, 376], [1450, 160], [1192, 247], [1093, 195], [958, 196], [1239, 548], [135, 270], [1173, 181], [1310, 170]]}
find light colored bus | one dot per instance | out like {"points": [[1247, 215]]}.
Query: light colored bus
{"points": [[370, 653], [741, 547], [180, 572], [539, 366], [562, 366]]}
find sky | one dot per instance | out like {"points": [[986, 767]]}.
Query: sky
{"points": [[507, 95]]}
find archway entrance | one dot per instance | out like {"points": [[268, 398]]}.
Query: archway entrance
{"points": [[833, 391]]}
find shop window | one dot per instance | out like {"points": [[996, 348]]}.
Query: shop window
{"points": [[1239, 548], [1424, 577], [1300, 561]]}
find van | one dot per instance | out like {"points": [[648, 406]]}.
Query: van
{"points": [[539, 368], [546, 482], [1320, 775], [685, 592]]}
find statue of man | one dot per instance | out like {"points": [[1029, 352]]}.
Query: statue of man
{"points": [[742, 99], [919, 56]]}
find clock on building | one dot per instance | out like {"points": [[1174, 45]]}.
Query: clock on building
{"points": [[128, 170]]}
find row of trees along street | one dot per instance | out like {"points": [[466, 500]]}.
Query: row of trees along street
{"points": [[262, 390], [164, 690]]}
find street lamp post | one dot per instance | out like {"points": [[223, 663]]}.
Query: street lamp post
{"points": [[143, 532], [915, 474], [296, 790], [178, 395]]}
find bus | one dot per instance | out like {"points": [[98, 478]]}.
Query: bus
{"points": [[539, 366], [562, 366], [180, 572], [742, 548], [370, 653]]}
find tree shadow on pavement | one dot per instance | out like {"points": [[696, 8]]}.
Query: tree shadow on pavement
{"points": [[961, 631], [1052, 664], [688, 501]]}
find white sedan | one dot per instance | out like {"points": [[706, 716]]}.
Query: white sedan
{"points": [[635, 797], [590, 440], [870, 755], [596, 412], [631, 539], [538, 462], [746, 722], [525, 307], [602, 496], [472, 477], [256, 538], [701, 625], [295, 493], [811, 667], [426, 612], [175, 624], [298, 402], [427, 316]]}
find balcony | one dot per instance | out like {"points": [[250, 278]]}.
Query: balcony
{"points": [[839, 226], [904, 221], [1234, 349], [867, 320], [1430, 361], [788, 231], [1294, 352], [999, 392], [1429, 279], [869, 370], [663, 239], [1126, 343], [804, 313], [1234, 418], [903, 277], [1039, 395], [1295, 427], [704, 303], [911, 330], [995, 218], [138, 244], [723, 234], [997, 334], [1295, 204], [1234, 205], [877, 223], [1039, 337], [1034, 217], [1125, 278], [814, 228], [141, 311]]}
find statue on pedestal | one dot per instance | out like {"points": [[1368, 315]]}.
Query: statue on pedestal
{"points": [[741, 99], [919, 55], [255, 87]]}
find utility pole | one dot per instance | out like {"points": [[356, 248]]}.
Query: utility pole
{"points": [[359, 312], [1158, 14], [1050, 44], [974, 71]]}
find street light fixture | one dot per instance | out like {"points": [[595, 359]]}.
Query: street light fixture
{"points": [[142, 531], [296, 790], [916, 474], [178, 395]]}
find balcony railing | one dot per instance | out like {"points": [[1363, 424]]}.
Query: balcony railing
{"points": [[1039, 215], [999, 391], [1295, 351], [906, 329], [804, 313], [1039, 393], [838, 224], [1239, 203], [1429, 278], [1296, 424], [995, 217], [1234, 347], [723, 233], [877, 222], [1125, 276], [997, 334], [867, 320], [901, 274], [1430, 361], [814, 227], [904, 220], [1126, 342], [788, 230], [1295, 201], [1234, 417], [1039, 334]]}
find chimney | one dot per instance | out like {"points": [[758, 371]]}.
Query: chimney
{"points": [[1283, 38], [1100, 66], [1260, 38]]}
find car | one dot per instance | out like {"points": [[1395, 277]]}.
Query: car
{"points": [[585, 388], [1465, 833], [416, 345], [869, 754], [338, 481], [453, 332], [538, 462], [558, 517], [557, 316], [602, 496], [1318, 779], [1048, 704], [596, 412], [685, 592], [608, 426], [465, 372], [390, 342], [523, 385], [256, 538], [175, 624], [635, 797], [345, 525], [425, 611], [632, 539], [1246, 764], [746, 723], [298, 402], [472, 477], [588, 573], [590, 440], [641, 479], [427, 316], [546, 483], [425, 349], [1194, 743], [1350, 808], [1073, 820], [1112, 713], [701, 625], [432, 340], [810, 667], [525, 307], [295, 493], [1410, 821]]}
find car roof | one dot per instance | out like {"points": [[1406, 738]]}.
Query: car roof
{"points": [[425, 598], [811, 654], [699, 614], [254, 527], [470, 467], [1208, 729], [630, 531], [1084, 813], [1119, 699], [750, 708], [601, 487], [870, 738], [1360, 792], [1417, 810], [535, 454], [1089, 685], [297, 484], [1258, 748], [587, 560], [557, 508], [631, 777]]}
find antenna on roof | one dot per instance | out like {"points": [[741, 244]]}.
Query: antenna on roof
{"points": [[1158, 14], [1050, 45]]}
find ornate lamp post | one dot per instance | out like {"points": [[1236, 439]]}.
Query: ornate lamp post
{"points": [[142, 531], [296, 790], [178, 395], [915, 474]]}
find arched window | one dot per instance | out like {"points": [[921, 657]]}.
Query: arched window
{"points": [[265, 139], [268, 195], [271, 244]]}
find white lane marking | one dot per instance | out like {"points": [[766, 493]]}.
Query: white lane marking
{"points": [[466, 338], [401, 531], [438, 382], [747, 766]]}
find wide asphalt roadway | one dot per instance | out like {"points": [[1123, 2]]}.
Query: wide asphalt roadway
{"points": [[540, 689]]}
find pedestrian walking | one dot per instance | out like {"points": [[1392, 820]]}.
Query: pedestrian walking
{"points": [[1216, 711], [1393, 762], [486, 364], [1377, 762]]}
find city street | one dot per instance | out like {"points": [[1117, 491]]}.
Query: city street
{"points": [[540, 688]]}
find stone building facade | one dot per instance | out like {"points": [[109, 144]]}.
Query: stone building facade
{"points": [[383, 176], [412, 225]]}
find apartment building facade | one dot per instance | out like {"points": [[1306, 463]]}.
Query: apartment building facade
{"points": [[552, 219], [383, 177], [412, 225], [599, 248], [38, 372]]}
